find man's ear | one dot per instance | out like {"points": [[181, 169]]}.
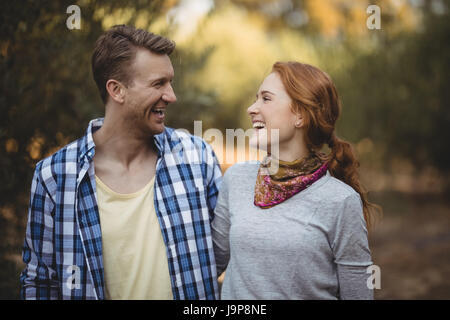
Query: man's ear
{"points": [[116, 90]]}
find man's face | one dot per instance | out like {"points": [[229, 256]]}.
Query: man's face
{"points": [[149, 92]]}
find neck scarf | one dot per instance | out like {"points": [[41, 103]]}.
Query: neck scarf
{"points": [[292, 177]]}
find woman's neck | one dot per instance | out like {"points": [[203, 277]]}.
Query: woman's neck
{"points": [[290, 153]]}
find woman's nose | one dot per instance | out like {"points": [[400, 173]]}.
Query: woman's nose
{"points": [[252, 109]]}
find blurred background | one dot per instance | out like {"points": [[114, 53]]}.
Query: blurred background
{"points": [[393, 83]]}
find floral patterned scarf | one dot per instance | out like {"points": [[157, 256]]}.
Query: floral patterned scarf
{"points": [[290, 178]]}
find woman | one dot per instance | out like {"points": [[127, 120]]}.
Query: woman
{"points": [[299, 231]]}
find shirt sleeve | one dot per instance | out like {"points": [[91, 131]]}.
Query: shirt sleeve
{"points": [[38, 279], [351, 250], [221, 229], [214, 179]]}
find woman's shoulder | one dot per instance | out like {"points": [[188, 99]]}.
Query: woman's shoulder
{"points": [[336, 191], [240, 178], [338, 200], [242, 169]]}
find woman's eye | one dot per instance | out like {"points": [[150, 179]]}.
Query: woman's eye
{"points": [[266, 99]]}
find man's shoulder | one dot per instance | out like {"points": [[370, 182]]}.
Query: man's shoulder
{"points": [[60, 162], [185, 139], [189, 149]]}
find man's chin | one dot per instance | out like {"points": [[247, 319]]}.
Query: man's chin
{"points": [[158, 128]]}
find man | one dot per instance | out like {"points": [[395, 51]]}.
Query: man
{"points": [[124, 212]]}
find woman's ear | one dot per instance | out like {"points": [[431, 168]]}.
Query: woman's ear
{"points": [[116, 90], [298, 121]]}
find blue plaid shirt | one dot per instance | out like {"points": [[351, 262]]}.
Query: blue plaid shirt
{"points": [[63, 243]]}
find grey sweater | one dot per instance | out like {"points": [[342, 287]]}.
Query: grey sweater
{"points": [[311, 246]]}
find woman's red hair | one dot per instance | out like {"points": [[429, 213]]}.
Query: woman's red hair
{"points": [[315, 97]]}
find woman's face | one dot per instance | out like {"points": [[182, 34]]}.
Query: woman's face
{"points": [[272, 110]]}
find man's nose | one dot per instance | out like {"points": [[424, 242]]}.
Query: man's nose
{"points": [[169, 95]]}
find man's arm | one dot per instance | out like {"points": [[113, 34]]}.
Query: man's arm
{"points": [[39, 279]]}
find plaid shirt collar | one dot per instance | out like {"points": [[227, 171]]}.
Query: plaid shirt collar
{"points": [[87, 148]]}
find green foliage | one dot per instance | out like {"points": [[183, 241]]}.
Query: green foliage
{"points": [[393, 82], [397, 95], [48, 94]]}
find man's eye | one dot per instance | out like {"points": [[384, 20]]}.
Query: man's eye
{"points": [[266, 99], [158, 84]]}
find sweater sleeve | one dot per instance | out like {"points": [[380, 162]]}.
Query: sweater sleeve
{"points": [[351, 250], [221, 228]]}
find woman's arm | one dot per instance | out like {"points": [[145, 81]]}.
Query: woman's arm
{"points": [[221, 228], [351, 250]]}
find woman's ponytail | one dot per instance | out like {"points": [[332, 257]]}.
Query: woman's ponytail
{"points": [[343, 165]]}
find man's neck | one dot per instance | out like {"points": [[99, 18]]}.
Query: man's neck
{"points": [[116, 143]]}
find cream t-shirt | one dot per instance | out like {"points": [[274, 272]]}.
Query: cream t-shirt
{"points": [[134, 253]]}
